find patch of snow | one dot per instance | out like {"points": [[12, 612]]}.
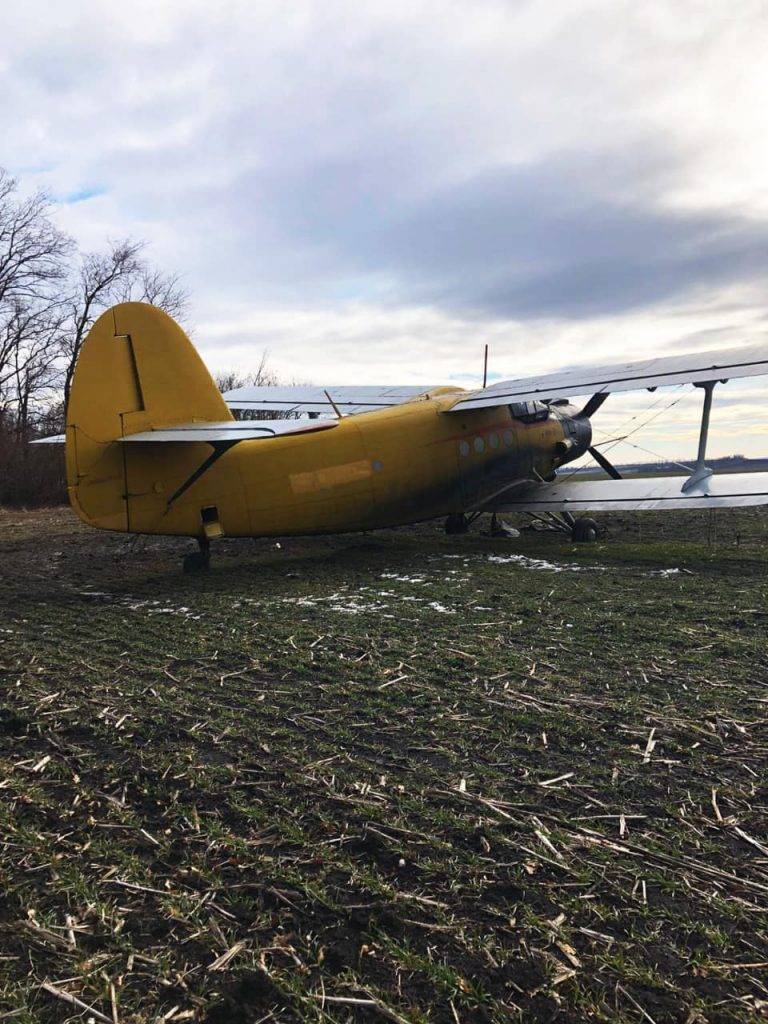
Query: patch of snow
{"points": [[152, 608], [542, 563], [441, 608], [356, 607], [344, 603], [401, 578]]}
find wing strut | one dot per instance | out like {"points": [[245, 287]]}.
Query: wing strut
{"points": [[219, 449], [701, 470]]}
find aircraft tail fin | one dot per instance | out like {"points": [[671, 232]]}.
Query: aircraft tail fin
{"points": [[137, 371]]}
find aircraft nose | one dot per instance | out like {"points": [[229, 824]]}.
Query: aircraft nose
{"points": [[577, 431]]}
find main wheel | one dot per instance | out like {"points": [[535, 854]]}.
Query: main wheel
{"points": [[196, 561], [585, 530]]}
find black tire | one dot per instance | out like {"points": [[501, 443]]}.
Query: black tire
{"points": [[585, 531], [196, 561]]}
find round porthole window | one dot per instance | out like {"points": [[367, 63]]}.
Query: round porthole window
{"points": [[508, 438], [377, 465], [479, 445], [493, 440], [463, 448]]}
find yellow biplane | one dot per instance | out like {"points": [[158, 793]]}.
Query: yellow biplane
{"points": [[152, 445]]}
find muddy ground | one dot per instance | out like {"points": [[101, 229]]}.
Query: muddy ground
{"points": [[397, 776]]}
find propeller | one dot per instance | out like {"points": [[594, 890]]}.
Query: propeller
{"points": [[601, 460], [594, 404], [590, 409]]}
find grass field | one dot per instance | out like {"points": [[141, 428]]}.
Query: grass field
{"points": [[392, 777]]}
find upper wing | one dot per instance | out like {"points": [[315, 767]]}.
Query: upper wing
{"points": [[649, 493], [650, 373], [305, 399]]}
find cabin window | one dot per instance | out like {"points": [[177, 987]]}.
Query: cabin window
{"points": [[479, 445], [463, 448], [509, 438], [529, 412], [493, 440]]}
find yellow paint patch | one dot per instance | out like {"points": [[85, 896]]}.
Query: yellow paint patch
{"points": [[330, 476]]}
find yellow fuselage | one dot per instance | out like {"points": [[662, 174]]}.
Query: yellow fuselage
{"points": [[400, 465]]}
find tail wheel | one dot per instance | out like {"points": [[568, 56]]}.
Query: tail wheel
{"points": [[199, 561], [585, 531]]}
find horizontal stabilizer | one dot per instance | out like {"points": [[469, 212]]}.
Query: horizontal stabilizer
{"points": [[728, 490], [312, 399], [698, 367], [216, 433], [228, 431]]}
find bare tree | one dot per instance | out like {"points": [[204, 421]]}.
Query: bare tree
{"points": [[36, 331], [33, 265], [262, 376], [118, 275], [34, 257], [98, 277], [157, 288], [33, 250]]}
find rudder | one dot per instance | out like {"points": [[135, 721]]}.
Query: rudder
{"points": [[137, 370]]}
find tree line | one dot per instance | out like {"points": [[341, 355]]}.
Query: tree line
{"points": [[50, 294]]}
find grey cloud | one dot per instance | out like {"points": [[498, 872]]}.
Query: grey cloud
{"points": [[541, 240], [388, 163]]}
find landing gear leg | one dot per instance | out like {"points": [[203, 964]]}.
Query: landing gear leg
{"points": [[199, 561], [456, 523], [499, 528], [549, 522]]}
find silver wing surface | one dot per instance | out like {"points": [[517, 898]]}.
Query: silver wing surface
{"points": [[314, 399], [728, 490], [722, 364]]}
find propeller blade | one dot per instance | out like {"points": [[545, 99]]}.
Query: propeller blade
{"points": [[594, 404], [609, 468]]}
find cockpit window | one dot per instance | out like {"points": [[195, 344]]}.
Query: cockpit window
{"points": [[529, 412]]}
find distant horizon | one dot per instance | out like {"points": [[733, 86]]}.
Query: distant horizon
{"points": [[711, 460]]}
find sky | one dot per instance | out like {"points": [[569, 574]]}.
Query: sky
{"points": [[373, 191]]}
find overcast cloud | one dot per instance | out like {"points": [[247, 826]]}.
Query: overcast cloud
{"points": [[373, 191]]}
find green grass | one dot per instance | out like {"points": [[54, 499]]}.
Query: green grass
{"points": [[398, 768]]}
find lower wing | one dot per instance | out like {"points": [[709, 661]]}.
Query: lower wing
{"points": [[660, 494]]}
